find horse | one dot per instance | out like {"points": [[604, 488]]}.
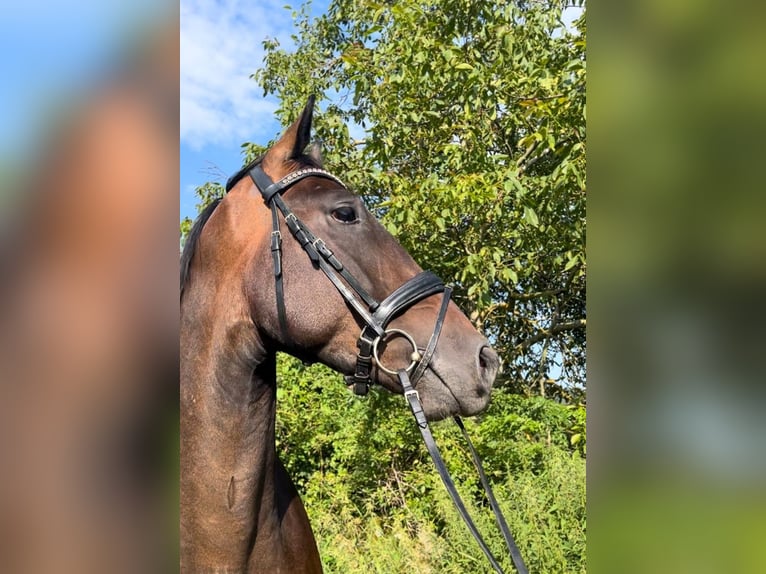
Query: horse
{"points": [[247, 293]]}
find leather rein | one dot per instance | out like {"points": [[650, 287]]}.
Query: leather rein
{"points": [[376, 316]]}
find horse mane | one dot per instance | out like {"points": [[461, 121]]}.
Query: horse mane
{"points": [[191, 240], [234, 179]]}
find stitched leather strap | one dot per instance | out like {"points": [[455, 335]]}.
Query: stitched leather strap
{"points": [[416, 289], [413, 399], [276, 255], [419, 287], [518, 561], [316, 249], [425, 360]]}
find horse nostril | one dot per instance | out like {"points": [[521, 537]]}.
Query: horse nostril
{"points": [[489, 362]]}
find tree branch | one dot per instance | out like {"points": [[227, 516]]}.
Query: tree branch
{"points": [[545, 333], [539, 98], [520, 163], [536, 295]]}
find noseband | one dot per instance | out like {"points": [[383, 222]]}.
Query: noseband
{"points": [[376, 315]]}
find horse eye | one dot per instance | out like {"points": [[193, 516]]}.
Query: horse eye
{"points": [[344, 214]]}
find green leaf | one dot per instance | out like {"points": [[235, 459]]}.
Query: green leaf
{"points": [[510, 275], [573, 259], [530, 216]]}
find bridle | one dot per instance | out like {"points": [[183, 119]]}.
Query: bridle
{"points": [[376, 317]]}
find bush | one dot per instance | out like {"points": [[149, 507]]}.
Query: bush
{"points": [[377, 504]]}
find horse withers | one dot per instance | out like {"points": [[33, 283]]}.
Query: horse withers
{"points": [[240, 511]]}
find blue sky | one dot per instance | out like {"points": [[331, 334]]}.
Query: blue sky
{"points": [[221, 107]]}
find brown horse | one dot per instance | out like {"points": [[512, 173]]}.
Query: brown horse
{"points": [[240, 511]]}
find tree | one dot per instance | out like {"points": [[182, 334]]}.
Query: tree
{"points": [[467, 138]]}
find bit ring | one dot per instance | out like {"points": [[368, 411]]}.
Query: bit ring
{"points": [[415, 356]]}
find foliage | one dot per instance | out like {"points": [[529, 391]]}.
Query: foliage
{"points": [[468, 138], [206, 193], [376, 503]]}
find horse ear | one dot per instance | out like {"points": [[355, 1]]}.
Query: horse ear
{"points": [[315, 153], [296, 138]]}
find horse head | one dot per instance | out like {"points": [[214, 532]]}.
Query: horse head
{"points": [[319, 324]]}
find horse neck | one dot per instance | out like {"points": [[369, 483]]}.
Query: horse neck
{"points": [[228, 454]]}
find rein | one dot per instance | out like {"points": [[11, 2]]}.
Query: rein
{"points": [[376, 316]]}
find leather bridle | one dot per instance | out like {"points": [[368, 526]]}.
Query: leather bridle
{"points": [[376, 317]]}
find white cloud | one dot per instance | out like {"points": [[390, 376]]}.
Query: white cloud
{"points": [[220, 48]]}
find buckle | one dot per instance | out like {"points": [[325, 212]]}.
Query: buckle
{"points": [[321, 248], [292, 223], [276, 240], [319, 244], [411, 392], [366, 342]]}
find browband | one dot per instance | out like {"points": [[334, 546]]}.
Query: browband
{"points": [[269, 188]]}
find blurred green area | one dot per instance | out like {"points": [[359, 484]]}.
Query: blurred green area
{"points": [[677, 113], [676, 210], [676, 526]]}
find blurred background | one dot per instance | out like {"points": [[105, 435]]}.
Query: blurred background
{"points": [[88, 271], [677, 467]]}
